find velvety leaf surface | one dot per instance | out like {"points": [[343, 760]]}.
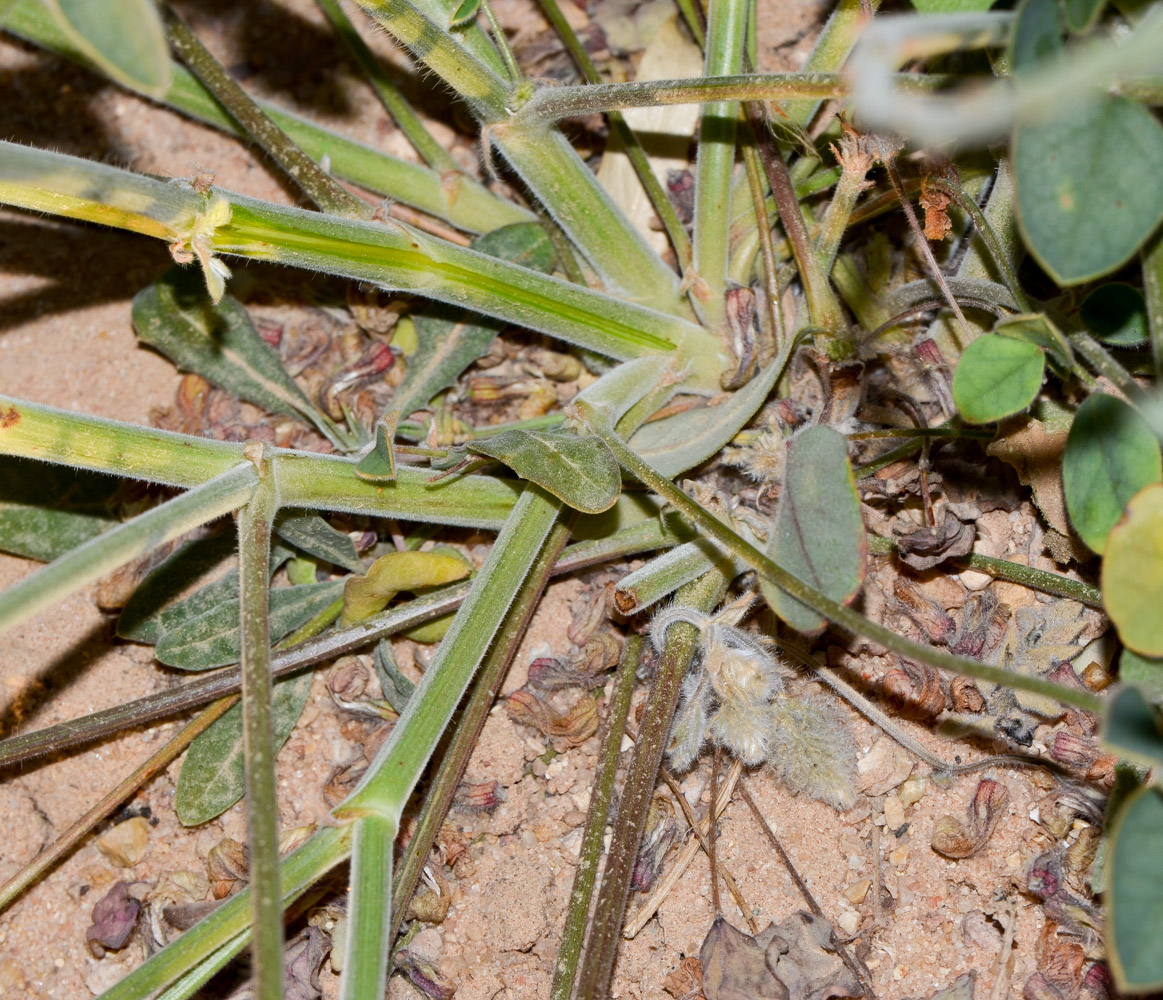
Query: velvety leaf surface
{"points": [[1089, 186], [311, 534], [1131, 728], [1135, 866], [579, 470], [1110, 455], [1144, 672], [1132, 573], [817, 534], [997, 377], [1037, 34], [219, 342], [211, 639], [47, 510], [212, 777]]}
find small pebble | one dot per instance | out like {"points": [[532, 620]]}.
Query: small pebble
{"points": [[849, 920], [125, 845], [856, 892], [898, 857], [912, 791], [894, 813]]}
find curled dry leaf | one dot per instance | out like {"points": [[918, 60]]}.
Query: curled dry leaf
{"points": [[428, 905], [685, 982], [575, 726], [927, 614], [228, 865], [917, 687], [735, 967], [423, 975], [927, 547], [802, 953], [935, 203], [956, 838], [659, 833], [114, 918]]}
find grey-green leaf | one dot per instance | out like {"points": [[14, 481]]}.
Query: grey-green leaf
{"points": [[579, 470], [1142, 671], [1082, 14], [46, 510], [448, 339], [211, 640], [397, 689], [124, 38], [379, 464], [1089, 186], [997, 377], [1111, 454], [817, 533], [311, 534], [1135, 872], [1037, 34], [1133, 728], [212, 777], [219, 342]]}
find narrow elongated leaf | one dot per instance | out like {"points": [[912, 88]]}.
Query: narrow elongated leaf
{"points": [[46, 511], [448, 339], [1111, 454], [1132, 573], [1089, 188], [219, 342], [997, 377], [397, 571], [211, 640], [1135, 872], [212, 777], [817, 533], [125, 39], [580, 471], [311, 534]]}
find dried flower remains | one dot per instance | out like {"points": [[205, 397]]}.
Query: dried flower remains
{"points": [[735, 697]]}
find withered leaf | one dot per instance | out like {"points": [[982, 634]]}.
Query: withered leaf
{"points": [[802, 954], [960, 989], [964, 838], [927, 547], [685, 982], [575, 726], [114, 917], [423, 975], [734, 967]]}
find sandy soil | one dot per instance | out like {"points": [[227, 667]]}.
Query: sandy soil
{"points": [[66, 339]]}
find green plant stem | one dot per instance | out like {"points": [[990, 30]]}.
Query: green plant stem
{"points": [[553, 103], [262, 805], [770, 275], [1004, 569], [640, 537], [1001, 260], [365, 966], [830, 53], [601, 792], [98, 556], [502, 44], [304, 171], [628, 141], [434, 154], [823, 306], [694, 21], [468, 728], [854, 169], [715, 164], [1100, 359], [666, 573], [1153, 294], [605, 929], [836, 613], [31, 873]]}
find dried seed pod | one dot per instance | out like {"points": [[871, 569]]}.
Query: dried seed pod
{"points": [[591, 617], [423, 975], [965, 697], [228, 866], [917, 687], [927, 614], [429, 905], [964, 838], [1073, 751], [600, 653], [658, 834], [575, 726], [478, 796], [1102, 771]]}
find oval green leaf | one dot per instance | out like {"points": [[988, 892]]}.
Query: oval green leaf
{"points": [[1135, 872], [997, 377], [1037, 34], [124, 39], [579, 470], [1111, 454], [817, 533], [1089, 186], [1116, 314], [1132, 573], [213, 775], [1142, 671], [1131, 728]]}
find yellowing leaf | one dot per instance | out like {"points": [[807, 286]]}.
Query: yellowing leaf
{"points": [[397, 571], [1132, 573]]}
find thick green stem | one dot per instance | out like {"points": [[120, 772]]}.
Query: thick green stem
{"points": [[395, 103], [98, 556], [836, 613], [1100, 359], [626, 138], [365, 966], [262, 804], [304, 171], [605, 929], [586, 872], [726, 29]]}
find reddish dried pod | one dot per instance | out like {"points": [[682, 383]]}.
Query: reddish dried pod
{"points": [[965, 696], [916, 686]]}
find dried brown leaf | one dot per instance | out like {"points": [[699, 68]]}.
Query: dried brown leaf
{"points": [[964, 838], [917, 687], [927, 547], [685, 982], [114, 918], [735, 967], [575, 726], [1036, 455], [802, 954]]}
